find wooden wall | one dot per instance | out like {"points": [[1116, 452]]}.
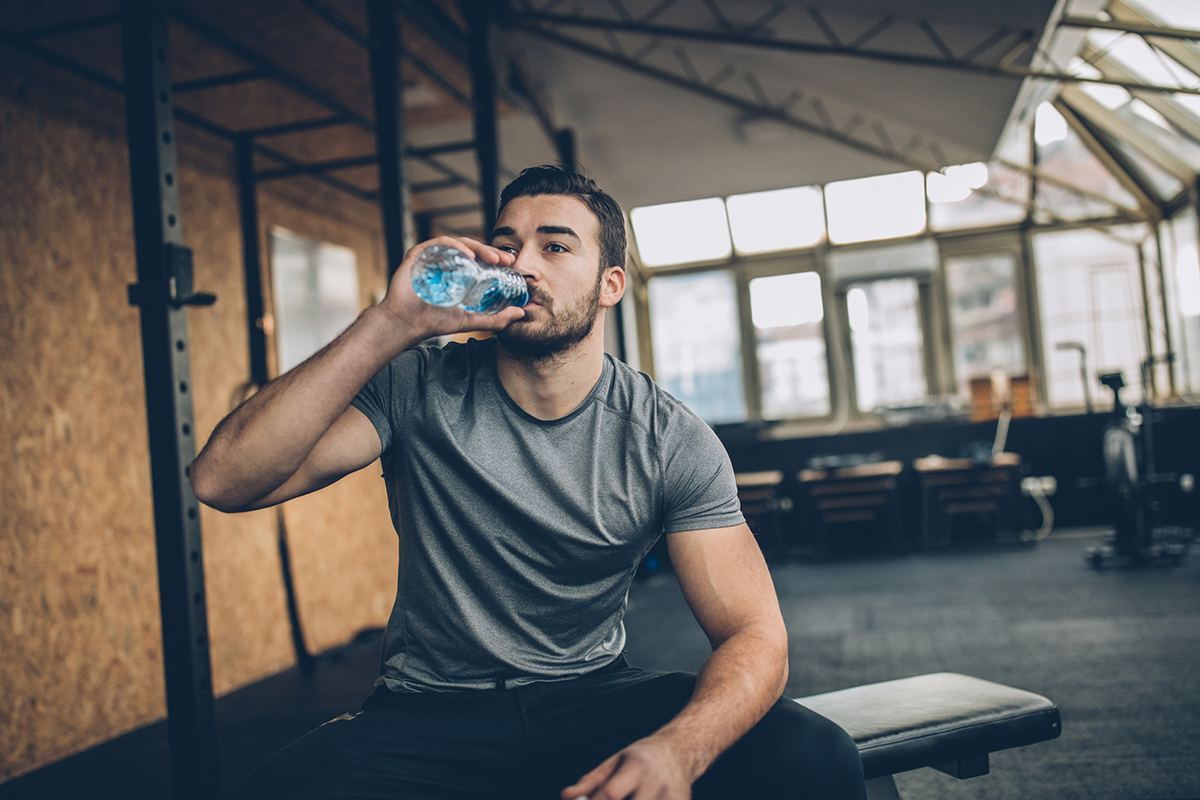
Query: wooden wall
{"points": [[80, 639]]}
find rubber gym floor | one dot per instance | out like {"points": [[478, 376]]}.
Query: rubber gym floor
{"points": [[1118, 650]]}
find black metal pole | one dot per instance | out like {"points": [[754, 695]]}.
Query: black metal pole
{"points": [[424, 226], [251, 260], [383, 32], [163, 288], [564, 142], [480, 18]]}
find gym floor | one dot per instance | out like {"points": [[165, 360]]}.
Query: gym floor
{"points": [[1118, 651]]}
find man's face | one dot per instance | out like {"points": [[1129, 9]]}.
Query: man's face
{"points": [[555, 239]]}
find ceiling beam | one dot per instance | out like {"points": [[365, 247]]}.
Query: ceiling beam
{"points": [[1084, 104], [825, 132], [1179, 116], [528, 20], [1178, 50], [291, 80], [1141, 29], [1113, 161], [759, 109]]}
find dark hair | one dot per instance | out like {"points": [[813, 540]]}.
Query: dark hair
{"points": [[556, 179]]}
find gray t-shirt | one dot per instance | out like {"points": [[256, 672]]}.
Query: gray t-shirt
{"points": [[519, 537]]}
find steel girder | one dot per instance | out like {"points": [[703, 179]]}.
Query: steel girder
{"points": [[990, 50]]}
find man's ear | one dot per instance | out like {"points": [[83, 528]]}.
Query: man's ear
{"points": [[612, 286]]}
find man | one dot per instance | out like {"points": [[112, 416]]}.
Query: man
{"points": [[527, 477]]}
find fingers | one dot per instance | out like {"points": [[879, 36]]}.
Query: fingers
{"points": [[478, 250], [624, 778], [583, 787], [493, 322]]}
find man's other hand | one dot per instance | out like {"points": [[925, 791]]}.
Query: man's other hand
{"points": [[648, 769]]}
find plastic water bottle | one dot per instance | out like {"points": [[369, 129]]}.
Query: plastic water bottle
{"points": [[446, 276]]}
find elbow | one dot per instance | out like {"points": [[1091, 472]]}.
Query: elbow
{"points": [[208, 490]]}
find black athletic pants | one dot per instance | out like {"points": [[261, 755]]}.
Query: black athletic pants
{"points": [[531, 742]]}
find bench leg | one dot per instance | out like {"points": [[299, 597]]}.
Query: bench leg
{"points": [[883, 788]]}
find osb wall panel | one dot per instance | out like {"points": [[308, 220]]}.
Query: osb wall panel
{"points": [[80, 639], [81, 657]]}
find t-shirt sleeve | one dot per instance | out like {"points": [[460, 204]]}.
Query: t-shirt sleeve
{"points": [[700, 491], [387, 397]]}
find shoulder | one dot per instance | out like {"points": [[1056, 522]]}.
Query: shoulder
{"points": [[449, 361], [648, 405]]}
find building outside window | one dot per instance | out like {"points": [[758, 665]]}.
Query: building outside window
{"points": [[885, 336], [788, 315], [697, 346], [985, 323], [1181, 265], [1090, 294], [316, 294]]}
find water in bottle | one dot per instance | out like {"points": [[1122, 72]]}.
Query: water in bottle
{"points": [[446, 276]]}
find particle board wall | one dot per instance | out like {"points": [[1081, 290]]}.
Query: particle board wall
{"points": [[80, 638]]}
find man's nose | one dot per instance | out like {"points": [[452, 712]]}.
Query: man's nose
{"points": [[525, 264]]}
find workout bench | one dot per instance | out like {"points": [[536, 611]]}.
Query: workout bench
{"points": [[946, 721]]}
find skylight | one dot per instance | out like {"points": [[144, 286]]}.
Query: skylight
{"points": [[679, 233], [776, 220], [879, 207]]}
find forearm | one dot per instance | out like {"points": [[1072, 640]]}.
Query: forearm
{"points": [[266, 439], [738, 684]]}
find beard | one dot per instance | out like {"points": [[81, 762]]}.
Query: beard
{"points": [[558, 334]]}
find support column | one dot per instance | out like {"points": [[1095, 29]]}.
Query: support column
{"points": [[564, 142], [383, 31], [164, 287], [251, 259], [480, 18]]}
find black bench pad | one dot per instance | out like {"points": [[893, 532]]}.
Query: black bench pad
{"points": [[930, 720]]}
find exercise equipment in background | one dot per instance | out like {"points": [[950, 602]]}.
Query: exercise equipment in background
{"points": [[1131, 483]]}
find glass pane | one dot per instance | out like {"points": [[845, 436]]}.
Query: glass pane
{"points": [[1167, 186], [316, 294], [1175, 13], [680, 233], [885, 334], [982, 294], [1090, 294], [879, 207], [776, 220], [1062, 155], [1181, 264], [1145, 62], [790, 341], [697, 348], [973, 195]]}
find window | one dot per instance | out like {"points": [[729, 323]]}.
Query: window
{"points": [[1181, 267], [982, 295], [1090, 293], [316, 294], [972, 195], [697, 347], [1068, 164], [680, 233], [885, 336], [788, 314], [879, 207], [777, 220]]}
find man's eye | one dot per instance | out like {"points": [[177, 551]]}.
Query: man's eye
{"points": [[507, 248], [555, 247]]}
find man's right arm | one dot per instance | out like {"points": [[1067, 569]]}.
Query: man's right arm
{"points": [[300, 433]]}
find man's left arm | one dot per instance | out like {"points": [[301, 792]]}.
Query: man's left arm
{"points": [[726, 583]]}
